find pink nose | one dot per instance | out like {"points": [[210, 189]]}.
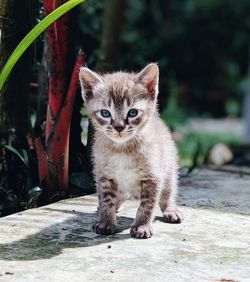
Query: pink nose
{"points": [[119, 128]]}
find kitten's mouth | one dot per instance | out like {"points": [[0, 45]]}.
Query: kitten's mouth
{"points": [[119, 137]]}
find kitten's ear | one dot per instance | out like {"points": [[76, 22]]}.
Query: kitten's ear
{"points": [[88, 80], [149, 77]]}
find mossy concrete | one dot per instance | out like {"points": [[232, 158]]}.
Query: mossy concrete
{"points": [[55, 242]]}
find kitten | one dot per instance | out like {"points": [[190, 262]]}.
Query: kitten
{"points": [[133, 152]]}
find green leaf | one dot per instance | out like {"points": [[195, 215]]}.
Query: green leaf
{"points": [[32, 35], [13, 150], [33, 194], [36, 189], [25, 157]]}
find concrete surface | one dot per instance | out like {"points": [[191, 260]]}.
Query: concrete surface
{"points": [[55, 242]]}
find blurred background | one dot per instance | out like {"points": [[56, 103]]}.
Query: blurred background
{"points": [[202, 48]]}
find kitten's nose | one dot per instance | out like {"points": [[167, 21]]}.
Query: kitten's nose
{"points": [[119, 128]]}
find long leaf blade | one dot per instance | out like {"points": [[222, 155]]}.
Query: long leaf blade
{"points": [[25, 157], [32, 35], [13, 150]]}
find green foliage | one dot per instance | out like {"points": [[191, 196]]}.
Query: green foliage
{"points": [[23, 157], [233, 106], [203, 45], [90, 34], [172, 113], [32, 35], [193, 146], [33, 195], [10, 201]]}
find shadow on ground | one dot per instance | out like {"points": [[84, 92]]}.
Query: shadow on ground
{"points": [[216, 191], [71, 233]]}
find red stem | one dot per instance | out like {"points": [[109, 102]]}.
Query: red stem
{"points": [[57, 38], [45, 171], [59, 147], [53, 158]]}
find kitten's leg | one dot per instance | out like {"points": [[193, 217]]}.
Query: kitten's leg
{"points": [[167, 202], [141, 228], [107, 193]]}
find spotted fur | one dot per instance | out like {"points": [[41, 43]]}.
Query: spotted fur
{"points": [[132, 156]]}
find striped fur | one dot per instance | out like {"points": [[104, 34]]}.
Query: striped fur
{"points": [[139, 161]]}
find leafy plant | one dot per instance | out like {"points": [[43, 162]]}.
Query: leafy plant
{"points": [[52, 154], [32, 193], [23, 157], [173, 114], [193, 146], [32, 35]]}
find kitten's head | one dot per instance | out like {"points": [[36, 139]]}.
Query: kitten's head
{"points": [[120, 104]]}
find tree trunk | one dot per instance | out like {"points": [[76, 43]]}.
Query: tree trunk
{"points": [[112, 25], [16, 19]]}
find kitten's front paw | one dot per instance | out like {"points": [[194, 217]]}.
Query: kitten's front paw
{"points": [[141, 232], [104, 228], [173, 216]]}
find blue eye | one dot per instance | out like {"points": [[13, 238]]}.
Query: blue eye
{"points": [[132, 113], [105, 113]]}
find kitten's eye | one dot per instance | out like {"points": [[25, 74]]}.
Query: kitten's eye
{"points": [[105, 113], [132, 113]]}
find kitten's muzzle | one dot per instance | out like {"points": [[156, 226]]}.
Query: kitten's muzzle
{"points": [[119, 128]]}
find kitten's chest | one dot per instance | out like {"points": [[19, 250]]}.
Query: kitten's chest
{"points": [[125, 170]]}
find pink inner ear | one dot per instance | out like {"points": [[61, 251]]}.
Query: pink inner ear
{"points": [[87, 84], [151, 86]]}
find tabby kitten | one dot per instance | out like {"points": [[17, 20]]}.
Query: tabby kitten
{"points": [[133, 152]]}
